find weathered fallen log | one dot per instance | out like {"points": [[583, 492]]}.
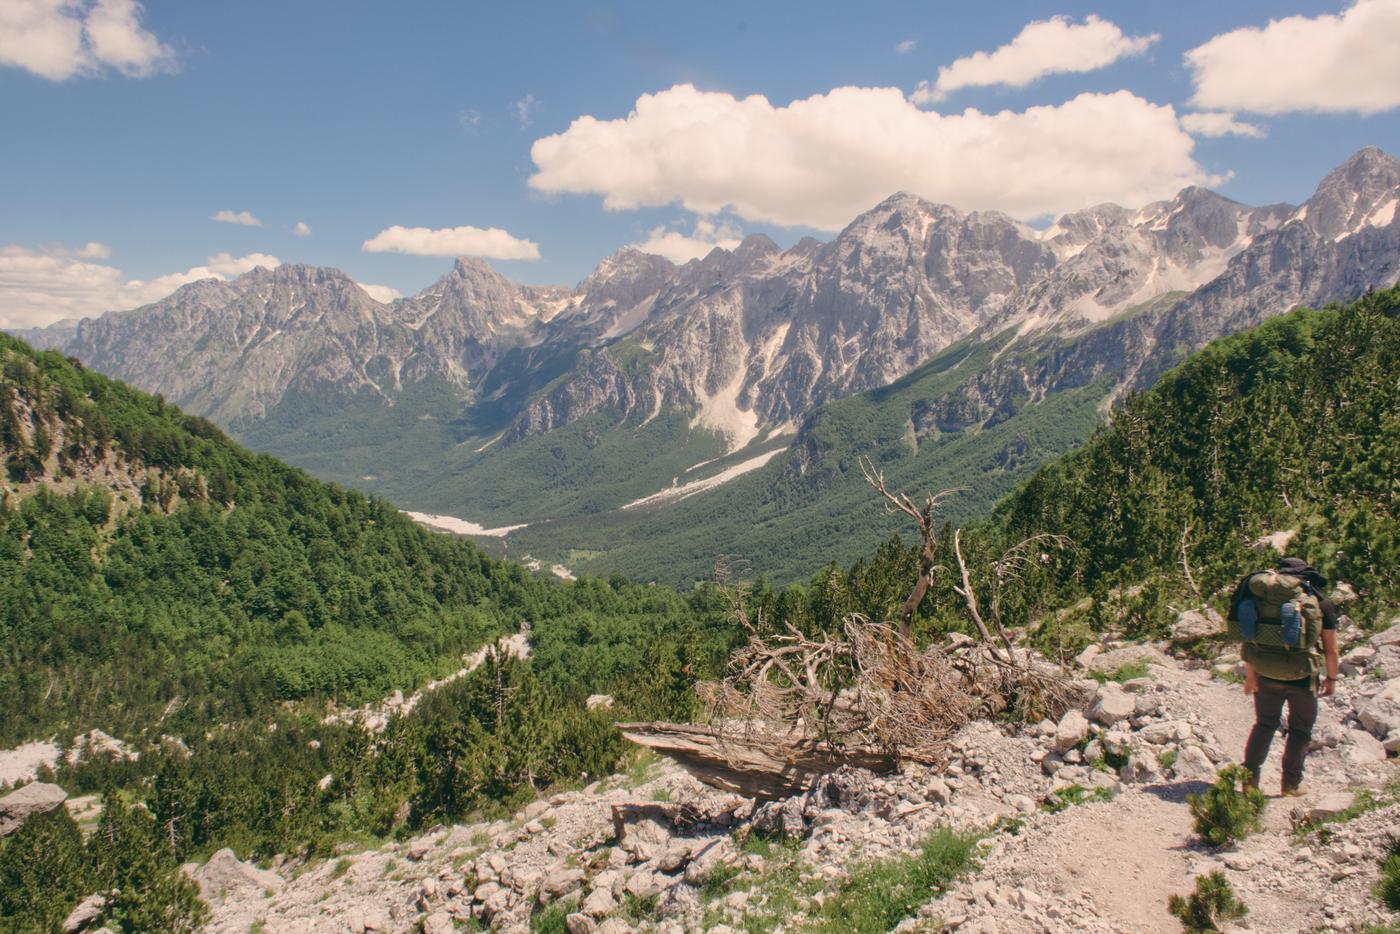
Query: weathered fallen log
{"points": [[754, 764]]}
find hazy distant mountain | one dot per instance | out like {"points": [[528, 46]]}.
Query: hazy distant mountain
{"points": [[449, 399]]}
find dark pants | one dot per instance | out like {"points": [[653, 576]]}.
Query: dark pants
{"points": [[1268, 711]]}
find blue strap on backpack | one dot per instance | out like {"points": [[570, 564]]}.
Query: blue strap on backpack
{"points": [[1291, 621], [1248, 616]]}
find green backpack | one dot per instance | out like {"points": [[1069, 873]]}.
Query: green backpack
{"points": [[1279, 626]]}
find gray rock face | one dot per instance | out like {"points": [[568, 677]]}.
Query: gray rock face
{"points": [[751, 339], [225, 876], [1381, 714], [29, 801], [87, 911]]}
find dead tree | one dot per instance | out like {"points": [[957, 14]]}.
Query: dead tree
{"points": [[928, 538], [795, 706]]}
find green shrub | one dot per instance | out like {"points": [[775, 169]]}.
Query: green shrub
{"points": [[1229, 810], [1123, 673], [1388, 888], [551, 918], [878, 896], [1075, 794], [1212, 903]]}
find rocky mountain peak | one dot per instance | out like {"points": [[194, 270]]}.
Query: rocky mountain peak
{"points": [[1361, 192], [757, 245]]}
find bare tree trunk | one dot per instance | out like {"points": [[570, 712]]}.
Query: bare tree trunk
{"points": [[921, 587], [968, 594], [1185, 564], [928, 537]]}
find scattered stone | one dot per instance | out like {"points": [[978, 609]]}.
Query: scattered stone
{"points": [[1086, 657], [561, 881], [1111, 705], [1330, 805], [1357, 659], [1342, 593], [1072, 730], [599, 702], [1363, 748], [1192, 764], [1110, 661], [599, 903], [580, 923], [439, 922], [1381, 714]]}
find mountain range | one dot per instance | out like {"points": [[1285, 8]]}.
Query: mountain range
{"points": [[656, 411]]}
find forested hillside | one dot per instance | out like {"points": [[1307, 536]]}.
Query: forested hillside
{"points": [[151, 570], [1293, 425]]}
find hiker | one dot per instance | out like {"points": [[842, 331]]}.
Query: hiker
{"points": [[1281, 616]]}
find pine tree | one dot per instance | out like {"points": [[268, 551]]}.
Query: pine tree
{"points": [[43, 873], [134, 863]]}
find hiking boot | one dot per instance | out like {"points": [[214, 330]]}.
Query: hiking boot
{"points": [[1294, 791]]}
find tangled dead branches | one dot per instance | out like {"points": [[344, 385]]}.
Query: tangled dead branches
{"points": [[869, 685]]}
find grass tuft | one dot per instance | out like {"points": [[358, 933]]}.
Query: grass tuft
{"points": [[878, 896], [1388, 888]]}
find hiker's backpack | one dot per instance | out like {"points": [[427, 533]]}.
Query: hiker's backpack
{"points": [[1278, 623]]}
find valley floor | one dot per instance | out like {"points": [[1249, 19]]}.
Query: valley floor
{"points": [[656, 850]]}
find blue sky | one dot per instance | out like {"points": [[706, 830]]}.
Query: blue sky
{"points": [[354, 117]]}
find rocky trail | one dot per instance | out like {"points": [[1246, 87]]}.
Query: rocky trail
{"points": [[656, 850], [1082, 825]]}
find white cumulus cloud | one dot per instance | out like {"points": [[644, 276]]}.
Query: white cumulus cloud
{"points": [[1054, 46], [242, 218], [905, 46], [1347, 62], [40, 286], [1219, 123], [490, 242], [681, 247], [61, 39], [820, 161], [302, 229], [380, 293]]}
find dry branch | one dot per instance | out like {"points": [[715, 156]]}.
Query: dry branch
{"points": [[798, 705]]}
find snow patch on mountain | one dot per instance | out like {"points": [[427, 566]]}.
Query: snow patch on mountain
{"points": [[460, 526], [721, 413], [685, 490]]}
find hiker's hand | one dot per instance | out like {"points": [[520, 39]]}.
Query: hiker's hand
{"points": [[1251, 681], [1329, 687]]}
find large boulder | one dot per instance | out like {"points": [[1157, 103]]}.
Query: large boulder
{"points": [[1114, 659], [89, 910], [1381, 714], [1193, 625], [23, 803], [1363, 749], [1192, 764], [1331, 805], [225, 875], [1072, 730], [1112, 704]]}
